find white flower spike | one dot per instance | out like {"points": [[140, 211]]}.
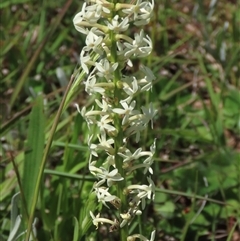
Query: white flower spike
{"points": [[115, 114]]}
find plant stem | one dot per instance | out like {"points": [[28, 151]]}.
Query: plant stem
{"points": [[118, 140]]}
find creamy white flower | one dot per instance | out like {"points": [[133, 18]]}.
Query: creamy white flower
{"points": [[131, 89], [102, 5], [78, 19], [116, 26], [146, 11], [140, 13], [111, 177], [141, 46], [83, 21], [146, 166], [126, 111], [104, 105], [93, 13], [104, 174], [106, 69], [134, 10], [136, 127], [90, 120], [141, 237], [92, 146], [126, 217], [103, 195], [146, 82], [129, 156], [103, 124], [91, 87], [86, 61], [105, 144], [148, 114], [97, 219], [148, 72], [121, 49], [146, 47], [93, 41], [134, 47], [110, 161], [144, 190]]}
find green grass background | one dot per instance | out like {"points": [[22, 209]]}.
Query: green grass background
{"points": [[196, 60]]}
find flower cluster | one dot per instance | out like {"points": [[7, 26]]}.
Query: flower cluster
{"points": [[114, 115]]}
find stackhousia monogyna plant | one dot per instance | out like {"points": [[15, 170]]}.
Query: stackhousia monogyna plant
{"points": [[113, 118]]}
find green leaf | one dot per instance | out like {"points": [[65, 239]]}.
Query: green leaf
{"points": [[33, 152], [166, 209], [76, 230], [85, 220]]}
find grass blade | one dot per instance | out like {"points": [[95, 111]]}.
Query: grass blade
{"points": [[33, 153], [43, 161], [33, 59]]}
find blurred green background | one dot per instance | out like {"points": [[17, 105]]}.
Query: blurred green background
{"points": [[196, 60]]}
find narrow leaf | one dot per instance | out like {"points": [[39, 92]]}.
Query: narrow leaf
{"points": [[34, 152], [76, 230]]}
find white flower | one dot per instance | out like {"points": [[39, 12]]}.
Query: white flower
{"points": [[146, 166], [148, 72], [141, 237], [147, 80], [93, 13], [105, 175], [78, 19], [93, 41], [103, 6], [146, 11], [144, 191], [97, 219], [104, 105], [131, 91], [103, 124], [106, 69], [85, 61], [105, 144], [92, 146], [110, 161], [104, 196], [120, 48], [88, 18], [136, 127], [116, 26], [90, 120], [126, 217], [141, 46], [129, 156], [148, 114], [135, 9], [126, 111], [91, 86], [146, 47]]}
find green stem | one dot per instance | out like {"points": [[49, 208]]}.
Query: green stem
{"points": [[118, 140]]}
